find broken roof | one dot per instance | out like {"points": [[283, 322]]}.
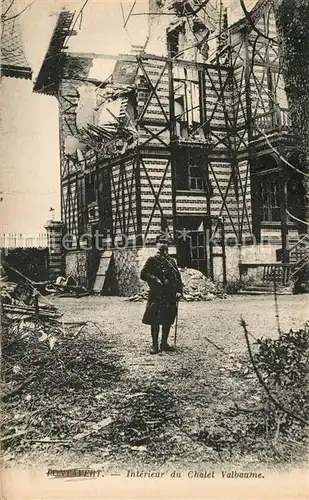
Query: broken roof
{"points": [[48, 77], [13, 60]]}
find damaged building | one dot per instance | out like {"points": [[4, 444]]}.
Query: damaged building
{"points": [[184, 135]]}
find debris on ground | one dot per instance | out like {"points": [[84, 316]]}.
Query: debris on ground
{"points": [[61, 286], [76, 389], [66, 287], [51, 373], [196, 287], [138, 297], [24, 300], [58, 387]]}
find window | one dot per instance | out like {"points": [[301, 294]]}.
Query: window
{"points": [[296, 196], [187, 110], [198, 251], [180, 116], [187, 105], [196, 172], [196, 178], [270, 194], [190, 172], [91, 189], [173, 42]]}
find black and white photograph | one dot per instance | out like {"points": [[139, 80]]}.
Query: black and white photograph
{"points": [[154, 249]]}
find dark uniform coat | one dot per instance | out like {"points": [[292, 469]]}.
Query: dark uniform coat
{"points": [[164, 280]]}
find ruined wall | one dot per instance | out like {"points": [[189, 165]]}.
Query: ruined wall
{"points": [[225, 109], [77, 265], [195, 28], [73, 112]]}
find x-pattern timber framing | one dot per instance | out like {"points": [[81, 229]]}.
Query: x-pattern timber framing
{"points": [[124, 199], [156, 194], [154, 120], [227, 142], [152, 70], [243, 83], [253, 90]]}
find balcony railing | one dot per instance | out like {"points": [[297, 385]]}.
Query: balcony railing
{"points": [[263, 274], [277, 120]]}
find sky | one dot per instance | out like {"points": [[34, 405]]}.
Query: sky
{"points": [[30, 180]]}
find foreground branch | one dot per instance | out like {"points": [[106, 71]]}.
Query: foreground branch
{"points": [[260, 379], [252, 24]]}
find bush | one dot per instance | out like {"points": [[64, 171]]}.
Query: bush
{"points": [[284, 366], [263, 428]]}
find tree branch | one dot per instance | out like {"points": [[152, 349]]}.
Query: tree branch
{"points": [[16, 15], [260, 379], [251, 22], [7, 10]]}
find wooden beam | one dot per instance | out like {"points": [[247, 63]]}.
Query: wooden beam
{"points": [[283, 213], [173, 147], [94, 55], [138, 197], [144, 56]]}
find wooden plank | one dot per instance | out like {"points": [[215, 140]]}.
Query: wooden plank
{"points": [[102, 271]]}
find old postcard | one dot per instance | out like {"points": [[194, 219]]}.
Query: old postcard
{"points": [[154, 249]]}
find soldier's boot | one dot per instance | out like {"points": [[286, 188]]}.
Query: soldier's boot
{"points": [[155, 337], [164, 346]]}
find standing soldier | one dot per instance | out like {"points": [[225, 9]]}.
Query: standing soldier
{"points": [[165, 289]]}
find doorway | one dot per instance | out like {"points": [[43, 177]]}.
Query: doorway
{"points": [[191, 242]]}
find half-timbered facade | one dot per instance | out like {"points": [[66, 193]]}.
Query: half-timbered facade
{"points": [[182, 136]]}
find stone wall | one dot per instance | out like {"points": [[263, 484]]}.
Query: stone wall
{"points": [[250, 254], [259, 254], [124, 274], [123, 277], [128, 263], [232, 264], [125, 271], [78, 264]]}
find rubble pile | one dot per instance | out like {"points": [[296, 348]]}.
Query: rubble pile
{"points": [[139, 297], [51, 373], [20, 300], [196, 286], [66, 287]]}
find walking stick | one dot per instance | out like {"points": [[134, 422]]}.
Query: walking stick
{"points": [[176, 324]]}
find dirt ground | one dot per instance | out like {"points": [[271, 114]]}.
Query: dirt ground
{"points": [[200, 324], [191, 389]]}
